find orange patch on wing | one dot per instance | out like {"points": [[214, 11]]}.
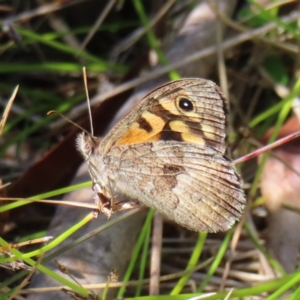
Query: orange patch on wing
{"points": [[179, 126], [169, 106], [137, 134], [208, 131], [194, 139], [187, 134]]}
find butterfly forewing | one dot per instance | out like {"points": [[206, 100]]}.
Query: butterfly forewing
{"points": [[190, 110]]}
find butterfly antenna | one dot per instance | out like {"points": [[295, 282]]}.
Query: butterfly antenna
{"points": [[88, 99], [89, 109], [68, 120]]}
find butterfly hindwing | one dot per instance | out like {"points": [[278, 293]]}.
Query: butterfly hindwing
{"points": [[195, 186]]}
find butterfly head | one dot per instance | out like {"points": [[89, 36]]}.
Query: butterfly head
{"points": [[86, 144]]}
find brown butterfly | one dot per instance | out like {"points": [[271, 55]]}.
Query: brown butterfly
{"points": [[169, 154]]}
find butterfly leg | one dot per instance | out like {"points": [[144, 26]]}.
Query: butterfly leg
{"points": [[127, 205], [105, 204]]}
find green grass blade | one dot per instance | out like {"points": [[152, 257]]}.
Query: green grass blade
{"points": [[136, 251], [153, 42], [191, 264], [216, 261]]}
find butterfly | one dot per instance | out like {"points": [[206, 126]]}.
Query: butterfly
{"points": [[168, 153]]}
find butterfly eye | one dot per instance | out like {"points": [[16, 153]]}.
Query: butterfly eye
{"points": [[185, 104]]}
